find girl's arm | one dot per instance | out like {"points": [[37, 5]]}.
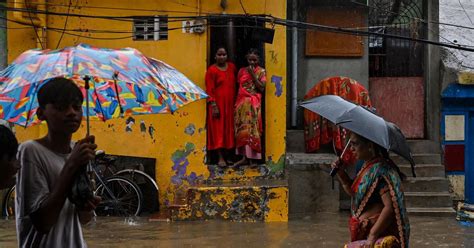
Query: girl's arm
{"points": [[259, 83]]}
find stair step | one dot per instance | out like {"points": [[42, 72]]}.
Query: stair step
{"points": [[442, 211], [426, 184], [423, 146], [240, 184], [305, 160], [295, 143], [243, 173], [428, 199], [420, 158], [255, 200], [424, 170]]}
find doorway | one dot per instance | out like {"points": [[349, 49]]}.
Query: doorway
{"points": [[236, 34]]}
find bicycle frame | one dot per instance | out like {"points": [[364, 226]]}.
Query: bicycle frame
{"points": [[139, 172]]}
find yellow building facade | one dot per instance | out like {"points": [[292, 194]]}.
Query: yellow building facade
{"points": [[178, 143]]}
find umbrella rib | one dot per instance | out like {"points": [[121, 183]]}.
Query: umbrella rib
{"points": [[31, 105], [98, 102]]}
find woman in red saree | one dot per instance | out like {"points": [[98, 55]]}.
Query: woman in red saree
{"points": [[248, 106], [220, 86], [378, 214]]}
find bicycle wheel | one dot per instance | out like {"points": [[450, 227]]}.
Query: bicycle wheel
{"points": [[8, 206], [148, 187], [120, 197]]}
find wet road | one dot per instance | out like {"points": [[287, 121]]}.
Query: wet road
{"points": [[321, 230]]}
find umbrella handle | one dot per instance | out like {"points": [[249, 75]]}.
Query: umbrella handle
{"points": [[334, 170], [86, 86]]}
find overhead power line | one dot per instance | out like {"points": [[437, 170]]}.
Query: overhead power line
{"points": [[411, 17], [102, 7], [268, 19]]}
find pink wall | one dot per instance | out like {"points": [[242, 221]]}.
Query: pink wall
{"points": [[400, 100]]}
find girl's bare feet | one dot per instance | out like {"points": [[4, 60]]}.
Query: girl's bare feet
{"points": [[243, 161], [221, 163], [253, 165]]}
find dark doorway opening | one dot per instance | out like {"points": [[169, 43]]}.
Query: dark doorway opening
{"points": [[236, 34]]}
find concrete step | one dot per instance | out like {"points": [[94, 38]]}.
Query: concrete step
{"points": [[429, 211], [428, 199], [424, 170], [246, 172], [426, 184], [295, 143], [256, 200], [420, 158], [309, 159]]}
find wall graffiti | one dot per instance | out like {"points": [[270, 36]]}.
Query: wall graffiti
{"points": [[274, 56], [278, 85], [180, 166]]}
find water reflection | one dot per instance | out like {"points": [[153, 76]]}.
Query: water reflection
{"points": [[321, 230]]}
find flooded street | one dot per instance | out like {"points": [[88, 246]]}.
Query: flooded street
{"points": [[321, 230]]}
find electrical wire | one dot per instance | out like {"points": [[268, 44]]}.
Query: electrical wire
{"points": [[243, 8], [115, 8], [290, 23], [411, 17], [36, 32], [214, 13], [284, 22], [465, 12], [65, 23]]}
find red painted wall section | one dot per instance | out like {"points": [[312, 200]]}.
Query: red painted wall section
{"points": [[454, 157], [400, 100]]}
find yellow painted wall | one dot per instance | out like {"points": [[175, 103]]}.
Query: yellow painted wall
{"points": [[187, 53]]}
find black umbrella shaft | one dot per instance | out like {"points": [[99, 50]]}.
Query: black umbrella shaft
{"points": [[86, 86]]}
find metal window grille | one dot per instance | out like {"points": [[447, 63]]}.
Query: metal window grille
{"points": [[389, 57], [150, 28]]}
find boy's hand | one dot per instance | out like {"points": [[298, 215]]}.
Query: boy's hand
{"points": [[83, 152], [91, 204]]}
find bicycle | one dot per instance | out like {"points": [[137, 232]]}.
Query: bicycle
{"points": [[8, 203], [135, 173], [120, 195]]}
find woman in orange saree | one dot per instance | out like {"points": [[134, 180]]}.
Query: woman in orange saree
{"points": [[248, 106]]}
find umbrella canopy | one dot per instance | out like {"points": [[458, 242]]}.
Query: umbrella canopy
{"points": [[362, 122], [123, 81]]}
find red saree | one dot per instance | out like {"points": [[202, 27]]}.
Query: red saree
{"points": [[317, 130], [220, 86], [248, 116]]}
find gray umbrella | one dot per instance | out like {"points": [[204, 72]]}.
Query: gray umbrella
{"points": [[362, 122]]}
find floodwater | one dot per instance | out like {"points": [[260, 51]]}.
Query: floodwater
{"points": [[320, 230]]}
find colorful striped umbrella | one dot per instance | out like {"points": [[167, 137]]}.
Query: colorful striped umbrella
{"points": [[122, 82]]}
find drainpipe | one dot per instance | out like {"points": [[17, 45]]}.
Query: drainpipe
{"points": [[35, 20], [231, 40], [3, 36], [294, 66]]}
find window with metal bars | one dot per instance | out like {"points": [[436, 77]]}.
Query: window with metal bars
{"points": [[391, 57], [150, 28]]}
